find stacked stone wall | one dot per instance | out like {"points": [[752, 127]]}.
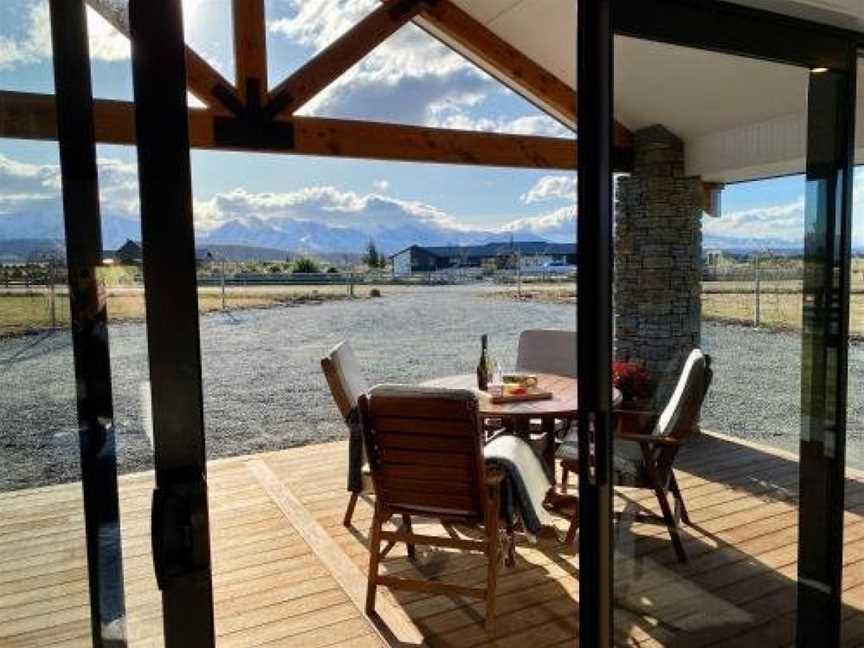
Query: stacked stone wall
{"points": [[658, 257]]}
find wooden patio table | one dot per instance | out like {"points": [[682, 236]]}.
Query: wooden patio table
{"points": [[562, 405]]}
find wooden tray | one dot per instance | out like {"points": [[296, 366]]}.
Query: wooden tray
{"points": [[533, 395]]}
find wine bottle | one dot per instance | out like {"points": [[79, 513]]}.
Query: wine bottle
{"points": [[483, 366]]}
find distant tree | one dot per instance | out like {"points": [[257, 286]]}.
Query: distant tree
{"points": [[305, 265], [374, 259]]}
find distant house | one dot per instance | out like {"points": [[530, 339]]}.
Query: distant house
{"points": [[536, 254], [129, 253]]}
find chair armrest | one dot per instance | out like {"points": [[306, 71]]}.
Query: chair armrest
{"points": [[649, 439]]}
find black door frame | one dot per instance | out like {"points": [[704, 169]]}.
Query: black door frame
{"points": [[88, 318], [729, 29], [180, 520]]}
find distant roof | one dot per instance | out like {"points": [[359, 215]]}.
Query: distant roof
{"points": [[502, 248]]}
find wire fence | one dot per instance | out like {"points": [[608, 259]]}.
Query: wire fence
{"points": [[752, 294]]}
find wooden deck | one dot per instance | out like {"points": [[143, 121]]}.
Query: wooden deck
{"points": [[287, 573]]}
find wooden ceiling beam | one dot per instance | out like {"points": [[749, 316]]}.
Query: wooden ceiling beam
{"points": [[33, 116], [453, 26], [210, 87], [337, 58], [250, 49]]}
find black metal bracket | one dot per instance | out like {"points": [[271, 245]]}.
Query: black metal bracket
{"points": [[253, 125], [253, 133], [179, 536]]}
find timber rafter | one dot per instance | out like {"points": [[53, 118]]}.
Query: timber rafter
{"points": [[33, 116], [246, 116]]}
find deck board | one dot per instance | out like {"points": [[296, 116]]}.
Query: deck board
{"points": [[287, 573]]}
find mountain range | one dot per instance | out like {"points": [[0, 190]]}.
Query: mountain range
{"points": [[24, 235], [276, 234]]}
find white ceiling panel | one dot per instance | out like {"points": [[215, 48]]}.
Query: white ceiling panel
{"points": [[711, 100]]}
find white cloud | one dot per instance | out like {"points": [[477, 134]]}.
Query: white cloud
{"points": [[327, 205], [408, 55], [460, 119], [552, 187], [381, 185], [784, 222], [32, 187], [410, 78], [559, 225], [106, 43], [34, 44]]}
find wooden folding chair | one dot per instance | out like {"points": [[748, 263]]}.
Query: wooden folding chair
{"points": [[646, 460], [426, 459], [347, 384]]}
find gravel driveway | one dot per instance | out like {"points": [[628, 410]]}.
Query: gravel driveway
{"points": [[263, 387]]}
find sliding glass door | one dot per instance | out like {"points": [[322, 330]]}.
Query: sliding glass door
{"points": [[731, 535]]}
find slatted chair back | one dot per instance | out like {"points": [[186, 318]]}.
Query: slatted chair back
{"points": [[680, 417], [547, 351], [343, 375], [424, 449]]}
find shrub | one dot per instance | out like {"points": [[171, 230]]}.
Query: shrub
{"points": [[374, 293], [305, 265]]}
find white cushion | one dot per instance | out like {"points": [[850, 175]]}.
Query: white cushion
{"points": [[669, 415]]}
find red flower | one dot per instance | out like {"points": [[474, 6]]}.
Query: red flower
{"points": [[634, 381]]}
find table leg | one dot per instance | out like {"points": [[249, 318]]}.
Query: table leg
{"points": [[549, 446]]}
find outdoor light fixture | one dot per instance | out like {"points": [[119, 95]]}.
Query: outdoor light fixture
{"points": [[819, 70]]}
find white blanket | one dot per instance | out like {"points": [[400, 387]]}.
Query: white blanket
{"points": [[526, 481]]}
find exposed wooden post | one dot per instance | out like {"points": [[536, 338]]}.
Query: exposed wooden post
{"points": [[295, 91], [250, 50]]}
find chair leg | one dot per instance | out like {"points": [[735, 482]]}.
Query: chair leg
{"points": [[491, 573], [406, 524], [565, 479], [570, 538], [510, 551], [669, 518], [679, 500], [374, 549], [349, 512]]}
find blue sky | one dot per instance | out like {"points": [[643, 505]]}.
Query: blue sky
{"points": [[411, 79]]}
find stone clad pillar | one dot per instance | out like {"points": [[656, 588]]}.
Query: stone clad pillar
{"points": [[658, 258]]}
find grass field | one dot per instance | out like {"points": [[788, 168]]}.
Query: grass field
{"points": [[780, 302], [21, 312]]}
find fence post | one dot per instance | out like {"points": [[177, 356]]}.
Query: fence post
{"points": [[52, 296], [222, 276], [757, 290]]}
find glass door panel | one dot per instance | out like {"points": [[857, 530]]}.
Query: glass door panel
{"points": [[705, 524], [852, 628]]}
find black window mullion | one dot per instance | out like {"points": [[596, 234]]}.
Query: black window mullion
{"points": [[88, 315], [825, 343], [594, 319], [181, 544]]}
